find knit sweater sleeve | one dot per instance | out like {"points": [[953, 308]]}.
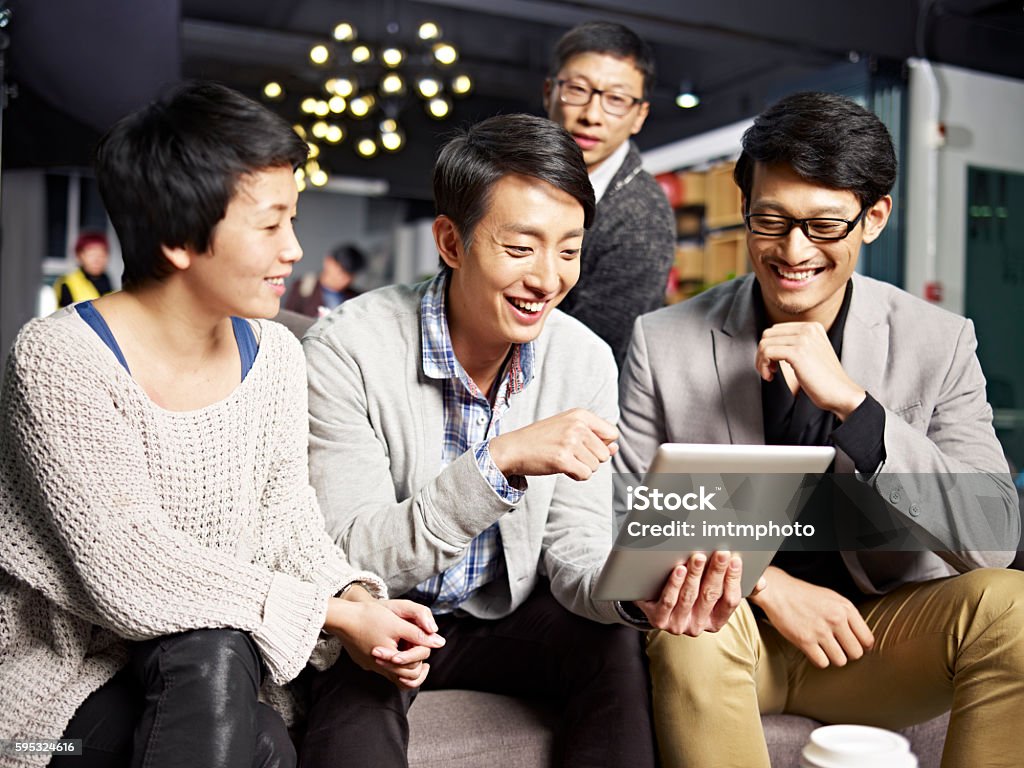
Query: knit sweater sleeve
{"points": [[87, 529]]}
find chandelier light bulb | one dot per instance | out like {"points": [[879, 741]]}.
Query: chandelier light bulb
{"points": [[361, 54], [300, 181], [429, 31], [388, 126], [314, 150], [334, 134], [322, 109], [320, 129], [462, 85], [318, 178], [273, 90], [308, 105], [340, 86], [428, 87], [367, 147], [319, 54], [344, 32], [439, 108], [392, 83], [336, 104], [299, 130], [391, 57], [445, 53], [391, 141]]}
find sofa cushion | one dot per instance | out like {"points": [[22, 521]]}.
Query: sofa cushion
{"points": [[469, 729]]}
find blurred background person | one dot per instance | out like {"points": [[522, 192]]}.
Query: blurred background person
{"points": [[316, 295], [90, 280]]}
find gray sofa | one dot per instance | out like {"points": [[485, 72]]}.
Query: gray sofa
{"points": [[468, 729]]}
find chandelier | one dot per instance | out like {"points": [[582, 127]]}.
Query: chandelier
{"points": [[365, 86]]}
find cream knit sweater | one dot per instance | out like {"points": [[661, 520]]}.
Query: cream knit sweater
{"points": [[123, 521]]}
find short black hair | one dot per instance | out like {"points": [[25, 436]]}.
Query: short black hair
{"points": [[471, 162], [610, 38], [825, 138], [348, 257], [168, 171]]}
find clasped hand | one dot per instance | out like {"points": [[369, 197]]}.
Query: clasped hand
{"points": [[390, 637]]}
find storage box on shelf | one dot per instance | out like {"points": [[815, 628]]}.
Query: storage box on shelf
{"points": [[711, 244]]}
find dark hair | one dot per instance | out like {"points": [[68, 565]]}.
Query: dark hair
{"points": [[476, 157], [168, 171], [90, 237], [349, 258], [827, 139], [606, 37]]}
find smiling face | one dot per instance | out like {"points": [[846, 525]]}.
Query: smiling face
{"points": [[523, 259], [251, 251], [802, 280], [598, 133]]}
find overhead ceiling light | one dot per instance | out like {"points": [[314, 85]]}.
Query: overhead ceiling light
{"points": [[428, 87], [273, 90], [366, 147], [429, 31], [439, 107], [445, 53], [392, 141], [392, 84], [687, 97], [322, 108], [344, 32], [336, 104], [361, 105], [361, 54], [318, 178], [462, 85], [319, 129], [340, 86], [388, 126], [308, 105], [319, 54], [334, 134], [391, 57]]}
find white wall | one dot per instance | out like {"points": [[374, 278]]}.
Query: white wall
{"points": [[983, 116]]}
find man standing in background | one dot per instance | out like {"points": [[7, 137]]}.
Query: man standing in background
{"points": [[601, 79]]}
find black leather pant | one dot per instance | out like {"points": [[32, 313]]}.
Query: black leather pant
{"points": [[595, 673], [185, 700]]}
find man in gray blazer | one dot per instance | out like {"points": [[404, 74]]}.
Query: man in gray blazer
{"points": [[460, 437], [806, 352]]}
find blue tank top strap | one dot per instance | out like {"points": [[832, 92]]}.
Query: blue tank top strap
{"points": [[95, 321], [247, 344]]}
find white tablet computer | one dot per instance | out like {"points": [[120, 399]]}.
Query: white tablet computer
{"points": [[701, 498]]}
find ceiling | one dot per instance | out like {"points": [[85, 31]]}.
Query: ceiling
{"points": [[78, 65]]}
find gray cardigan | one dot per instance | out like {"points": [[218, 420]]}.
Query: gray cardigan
{"points": [[375, 458], [690, 378]]}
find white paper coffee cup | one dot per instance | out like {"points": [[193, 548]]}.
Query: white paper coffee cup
{"points": [[856, 746]]}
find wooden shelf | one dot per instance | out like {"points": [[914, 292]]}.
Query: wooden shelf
{"points": [[725, 256]]}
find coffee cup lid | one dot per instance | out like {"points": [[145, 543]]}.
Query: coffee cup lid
{"points": [[853, 746]]}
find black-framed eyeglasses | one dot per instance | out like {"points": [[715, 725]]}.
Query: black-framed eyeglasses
{"points": [[821, 229], [578, 95]]}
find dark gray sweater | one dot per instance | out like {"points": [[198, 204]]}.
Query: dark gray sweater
{"points": [[627, 254]]}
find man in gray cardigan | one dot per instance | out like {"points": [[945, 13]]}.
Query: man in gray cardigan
{"points": [[460, 437], [807, 352], [602, 75]]}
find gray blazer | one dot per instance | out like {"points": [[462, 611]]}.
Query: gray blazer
{"points": [[689, 377], [375, 458]]}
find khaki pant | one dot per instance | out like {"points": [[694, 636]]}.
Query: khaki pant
{"points": [[952, 644]]}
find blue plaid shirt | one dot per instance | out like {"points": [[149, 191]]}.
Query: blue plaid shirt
{"points": [[469, 422]]}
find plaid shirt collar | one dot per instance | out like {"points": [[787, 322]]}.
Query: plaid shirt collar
{"points": [[439, 360]]}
